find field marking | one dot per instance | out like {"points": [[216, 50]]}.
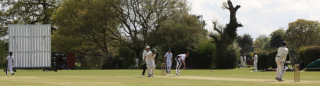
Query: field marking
{"points": [[242, 79]]}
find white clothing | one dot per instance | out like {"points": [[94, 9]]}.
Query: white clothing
{"points": [[179, 59], [168, 56], [182, 56], [145, 52], [255, 62], [241, 61], [10, 63], [168, 61], [280, 59], [282, 53], [150, 62], [244, 61], [10, 59]]}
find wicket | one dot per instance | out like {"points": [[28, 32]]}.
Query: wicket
{"points": [[163, 69], [296, 73]]}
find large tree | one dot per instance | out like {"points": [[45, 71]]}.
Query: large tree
{"points": [[276, 38], [302, 33], [260, 42], [226, 37], [246, 43], [140, 17], [29, 11], [86, 27]]}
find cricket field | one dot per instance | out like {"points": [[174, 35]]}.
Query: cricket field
{"points": [[133, 77]]}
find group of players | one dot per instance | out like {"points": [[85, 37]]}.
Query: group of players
{"points": [[149, 61]]}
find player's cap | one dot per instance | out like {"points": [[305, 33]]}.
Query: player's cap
{"points": [[147, 47], [169, 50], [153, 50], [283, 43]]}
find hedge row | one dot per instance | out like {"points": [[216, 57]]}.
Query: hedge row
{"points": [[267, 59], [309, 54]]}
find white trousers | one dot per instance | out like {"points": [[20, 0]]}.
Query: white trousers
{"points": [[169, 64], [151, 67], [280, 66], [179, 63], [255, 65], [9, 68]]}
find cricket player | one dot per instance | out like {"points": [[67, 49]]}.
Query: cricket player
{"points": [[144, 66], [168, 59], [241, 60], [280, 60], [244, 60], [181, 59], [10, 63], [149, 59], [255, 62]]}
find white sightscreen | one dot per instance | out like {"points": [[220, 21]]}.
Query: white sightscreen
{"points": [[30, 45]]}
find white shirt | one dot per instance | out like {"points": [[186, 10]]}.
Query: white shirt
{"points": [[150, 56], [256, 57], [282, 53], [145, 52], [168, 56], [182, 56], [10, 59]]}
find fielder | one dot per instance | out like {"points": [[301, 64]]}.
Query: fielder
{"points": [[168, 60], [241, 60], [10, 63], [144, 65], [181, 59], [149, 59], [244, 60], [255, 62], [280, 60]]}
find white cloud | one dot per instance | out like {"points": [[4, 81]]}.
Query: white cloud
{"points": [[258, 16]]}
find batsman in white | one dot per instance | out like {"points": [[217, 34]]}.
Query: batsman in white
{"points": [[181, 59], [10, 62], [280, 60], [168, 60], [255, 62], [149, 59]]}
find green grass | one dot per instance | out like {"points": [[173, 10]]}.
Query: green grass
{"points": [[233, 77]]}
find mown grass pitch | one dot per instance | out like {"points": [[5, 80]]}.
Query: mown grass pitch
{"points": [[233, 77]]}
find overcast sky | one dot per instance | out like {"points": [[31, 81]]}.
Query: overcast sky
{"points": [[259, 17]]}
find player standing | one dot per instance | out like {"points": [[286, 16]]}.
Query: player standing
{"points": [[255, 62], [280, 60], [181, 59], [144, 66], [149, 59], [10, 63], [168, 60]]}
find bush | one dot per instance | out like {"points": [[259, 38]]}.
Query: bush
{"points": [[263, 60], [202, 57], [228, 58], [311, 54], [271, 58]]}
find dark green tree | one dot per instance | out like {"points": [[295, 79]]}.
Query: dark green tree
{"points": [[226, 36]]}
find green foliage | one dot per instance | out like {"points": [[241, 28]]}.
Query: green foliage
{"points": [[276, 38], [246, 43], [228, 58], [4, 47], [263, 60], [127, 56], [311, 54], [202, 57], [271, 58], [302, 33]]}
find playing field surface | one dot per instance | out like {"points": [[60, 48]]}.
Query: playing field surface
{"points": [[233, 77]]}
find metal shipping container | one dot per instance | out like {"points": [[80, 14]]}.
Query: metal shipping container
{"points": [[30, 45]]}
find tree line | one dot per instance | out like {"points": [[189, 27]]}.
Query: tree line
{"points": [[107, 34]]}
